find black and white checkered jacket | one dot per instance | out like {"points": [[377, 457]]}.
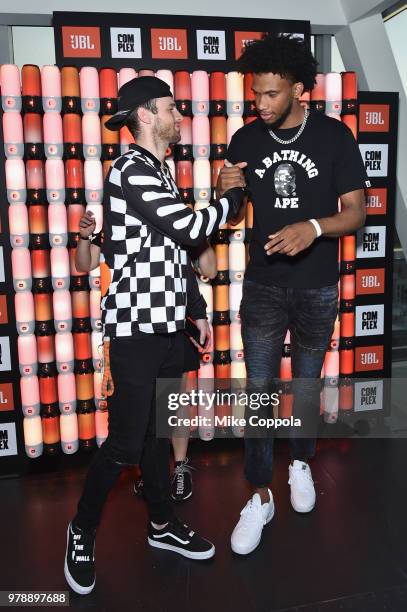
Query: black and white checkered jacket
{"points": [[146, 229]]}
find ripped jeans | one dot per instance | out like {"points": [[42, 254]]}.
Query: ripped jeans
{"points": [[266, 313]]}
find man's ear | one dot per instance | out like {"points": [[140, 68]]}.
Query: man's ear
{"points": [[298, 90], [144, 115]]}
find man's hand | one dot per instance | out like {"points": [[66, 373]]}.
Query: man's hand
{"points": [[87, 224], [230, 176], [205, 330], [292, 239]]}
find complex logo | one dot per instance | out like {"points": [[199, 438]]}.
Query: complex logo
{"points": [[369, 395], [369, 358], [375, 157], [369, 320], [6, 397], [371, 242], [81, 41], [370, 281], [242, 39], [374, 117], [8, 442], [376, 201], [210, 44], [125, 42], [169, 44]]}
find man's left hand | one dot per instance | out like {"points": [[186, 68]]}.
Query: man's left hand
{"points": [[205, 330], [292, 239]]}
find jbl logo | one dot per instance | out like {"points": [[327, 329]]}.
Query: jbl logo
{"points": [[169, 43], [81, 42], [369, 358], [374, 118], [370, 281]]}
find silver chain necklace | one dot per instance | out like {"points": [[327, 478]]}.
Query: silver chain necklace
{"points": [[298, 134]]}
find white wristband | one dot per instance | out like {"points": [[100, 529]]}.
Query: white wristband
{"points": [[317, 227]]}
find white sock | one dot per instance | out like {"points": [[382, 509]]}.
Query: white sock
{"points": [[159, 526]]}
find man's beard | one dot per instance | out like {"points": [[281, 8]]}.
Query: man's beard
{"points": [[276, 124], [167, 134]]}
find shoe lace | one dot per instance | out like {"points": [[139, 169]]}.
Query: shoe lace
{"points": [[302, 477], [250, 513]]}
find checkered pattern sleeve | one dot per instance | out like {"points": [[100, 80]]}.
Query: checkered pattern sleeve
{"points": [[152, 195]]}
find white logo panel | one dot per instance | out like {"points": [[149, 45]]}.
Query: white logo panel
{"points": [[125, 42], [210, 44], [371, 242], [375, 157], [369, 320], [369, 395]]}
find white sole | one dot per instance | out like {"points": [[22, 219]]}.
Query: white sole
{"points": [[207, 554], [247, 551], [71, 582]]}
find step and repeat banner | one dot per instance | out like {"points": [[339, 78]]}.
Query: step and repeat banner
{"points": [[56, 153]]}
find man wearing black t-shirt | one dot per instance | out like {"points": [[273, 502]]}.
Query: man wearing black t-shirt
{"points": [[298, 165]]}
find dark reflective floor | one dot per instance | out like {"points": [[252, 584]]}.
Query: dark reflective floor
{"points": [[350, 553]]}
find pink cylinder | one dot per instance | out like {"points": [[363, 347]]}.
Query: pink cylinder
{"points": [[30, 395], [97, 350], [95, 312], [232, 125], [126, 75], [200, 92], [55, 180], [53, 136], [333, 93], [234, 94], [51, 89], [21, 266], [67, 393], [25, 314], [18, 225], [60, 268], [91, 136], [15, 181], [58, 226], [201, 138], [93, 181], [64, 352], [27, 355], [146, 72], [13, 135], [202, 179], [167, 77], [89, 83], [331, 365], [68, 424], [10, 87], [101, 423], [61, 301], [33, 437], [35, 174]]}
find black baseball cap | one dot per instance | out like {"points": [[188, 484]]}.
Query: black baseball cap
{"points": [[136, 92]]}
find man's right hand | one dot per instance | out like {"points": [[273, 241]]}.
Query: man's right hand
{"points": [[230, 176], [87, 225]]}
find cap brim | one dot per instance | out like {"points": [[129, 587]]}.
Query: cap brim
{"points": [[117, 121]]}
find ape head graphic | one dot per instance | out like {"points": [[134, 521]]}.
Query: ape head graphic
{"points": [[284, 180]]}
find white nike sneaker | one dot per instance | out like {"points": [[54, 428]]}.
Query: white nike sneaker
{"points": [[246, 535], [302, 486]]}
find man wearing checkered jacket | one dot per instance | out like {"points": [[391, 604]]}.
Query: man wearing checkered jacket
{"points": [[146, 230]]}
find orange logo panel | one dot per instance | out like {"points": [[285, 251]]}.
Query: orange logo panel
{"points": [[374, 118], [169, 44], [369, 358], [370, 281], [3, 310], [80, 41], [376, 201], [241, 40], [6, 397]]}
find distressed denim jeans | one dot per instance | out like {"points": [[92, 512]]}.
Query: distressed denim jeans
{"points": [[267, 312]]}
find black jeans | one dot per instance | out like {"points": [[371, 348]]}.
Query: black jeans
{"points": [[136, 362], [266, 314]]}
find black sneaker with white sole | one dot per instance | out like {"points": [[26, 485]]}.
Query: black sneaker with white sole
{"points": [[181, 539], [79, 567], [181, 486]]}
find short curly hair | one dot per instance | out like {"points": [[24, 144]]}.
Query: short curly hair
{"points": [[285, 55]]}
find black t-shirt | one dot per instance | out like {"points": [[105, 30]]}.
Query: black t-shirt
{"points": [[292, 183]]}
